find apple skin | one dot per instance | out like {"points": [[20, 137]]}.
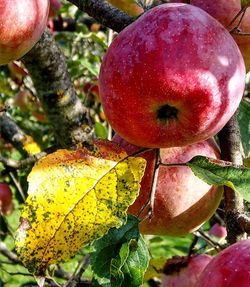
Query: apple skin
{"points": [[218, 231], [173, 77], [229, 268], [224, 11], [187, 275], [182, 202], [6, 204], [128, 6], [22, 23]]}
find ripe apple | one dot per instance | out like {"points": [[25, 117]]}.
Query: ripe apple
{"points": [[182, 201], [173, 77], [218, 231], [22, 23], [185, 272], [128, 6], [229, 268], [224, 11], [6, 204], [55, 5]]}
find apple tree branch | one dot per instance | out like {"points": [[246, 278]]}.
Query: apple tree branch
{"points": [[66, 113]]}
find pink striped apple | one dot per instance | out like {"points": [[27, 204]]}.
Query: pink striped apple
{"points": [[22, 23]]}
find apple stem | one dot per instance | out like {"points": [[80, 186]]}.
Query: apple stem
{"points": [[153, 188], [210, 241], [241, 13], [150, 201]]}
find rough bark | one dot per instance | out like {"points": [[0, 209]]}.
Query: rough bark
{"points": [[230, 141], [48, 70]]}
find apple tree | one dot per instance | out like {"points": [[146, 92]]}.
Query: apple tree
{"points": [[124, 143]]}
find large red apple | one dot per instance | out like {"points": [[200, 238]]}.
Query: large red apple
{"points": [[229, 268], [22, 23], [173, 77], [182, 201], [6, 204], [185, 272], [225, 11]]}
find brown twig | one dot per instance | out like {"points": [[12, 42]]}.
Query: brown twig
{"points": [[11, 132], [17, 164]]}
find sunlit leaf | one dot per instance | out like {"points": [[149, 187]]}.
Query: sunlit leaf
{"points": [[30, 145], [244, 123], [216, 172], [121, 257], [74, 198]]}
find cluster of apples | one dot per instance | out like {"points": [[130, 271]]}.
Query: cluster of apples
{"points": [[22, 23], [170, 81], [229, 268]]}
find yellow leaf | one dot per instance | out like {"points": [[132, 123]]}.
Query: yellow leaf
{"points": [[30, 145], [74, 198]]}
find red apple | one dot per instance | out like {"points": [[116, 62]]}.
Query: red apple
{"points": [[128, 6], [185, 272], [55, 5], [6, 204], [22, 23], [224, 11], [229, 268], [218, 231], [182, 201], [173, 77]]}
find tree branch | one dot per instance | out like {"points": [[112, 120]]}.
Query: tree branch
{"points": [[67, 115], [104, 13], [11, 132], [230, 141]]}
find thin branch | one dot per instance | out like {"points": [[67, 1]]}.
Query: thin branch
{"points": [[11, 132], [104, 13], [8, 254]]}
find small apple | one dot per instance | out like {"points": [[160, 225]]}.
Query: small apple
{"points": [[6, 204], [184, 272], [22, 23], [229, 268], [173, 77], [55, 6], [182, 201], [224, 11], [218, 231], [128, 6]]}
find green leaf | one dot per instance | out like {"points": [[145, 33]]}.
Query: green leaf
{"points": [[244, 123], [101, 131], [121, 257], [245, 3], [216, 172]]}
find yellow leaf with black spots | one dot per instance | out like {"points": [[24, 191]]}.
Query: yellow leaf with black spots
{"points": [[74, 198]]}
